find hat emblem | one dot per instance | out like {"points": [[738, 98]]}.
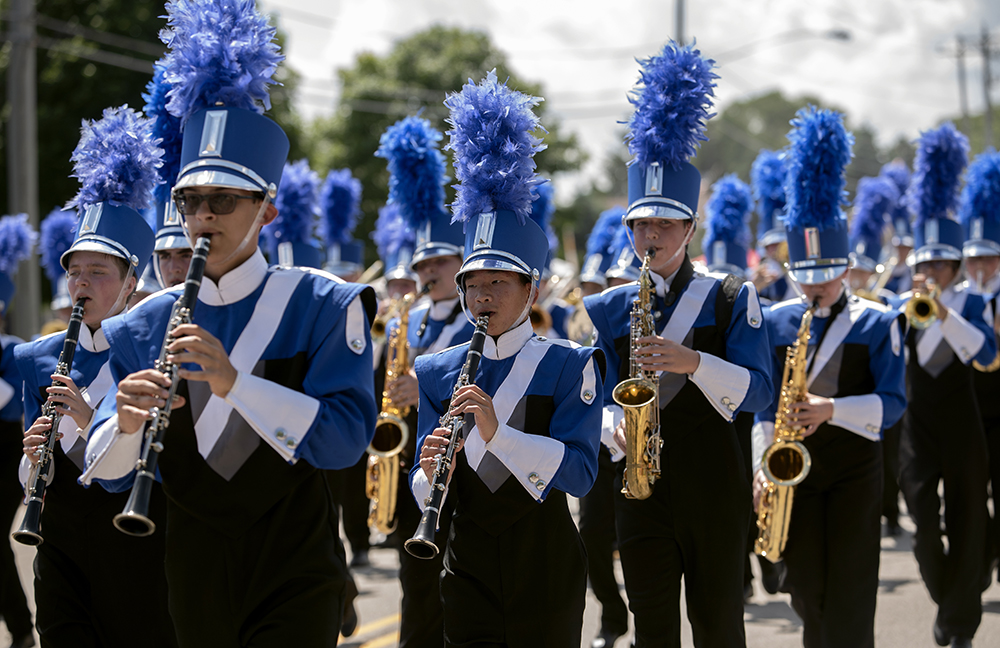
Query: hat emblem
{"points": [[171, 217], [931, 231], [484, 230], [91, 218], [812, 243], [976, 229], [212, 133], [654, 179]]}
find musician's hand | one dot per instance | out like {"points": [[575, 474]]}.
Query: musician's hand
{"points": [[811, 413], [196, 345], [35, 437], [473, 400], [660, 354], [404, 391], [138, 393], [619, 435], [69, 401], [433, 446], [760, 485]]}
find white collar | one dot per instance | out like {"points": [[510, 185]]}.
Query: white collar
{"points": [[663, 284], [508, 343], [93, 342], [236, 284], [443, 309], [820, 313]]}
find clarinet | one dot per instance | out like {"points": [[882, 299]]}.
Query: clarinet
{"points": [[421, 545], [30, 531], [134, 520]]}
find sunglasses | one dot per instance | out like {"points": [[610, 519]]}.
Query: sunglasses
{"points": [[218, 203]]}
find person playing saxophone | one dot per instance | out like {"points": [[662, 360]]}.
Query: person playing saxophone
{"points": [[853, 386], [711, 352]]}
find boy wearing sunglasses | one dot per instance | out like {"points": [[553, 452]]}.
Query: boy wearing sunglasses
{"points": [[277, 382]]}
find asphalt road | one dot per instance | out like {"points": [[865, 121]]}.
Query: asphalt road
{"points": [[904, 617]]}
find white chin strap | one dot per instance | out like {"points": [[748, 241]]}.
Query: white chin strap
{"points": [[681, 248]]}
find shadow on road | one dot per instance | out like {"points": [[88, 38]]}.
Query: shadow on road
{"points": [[772, 611]]}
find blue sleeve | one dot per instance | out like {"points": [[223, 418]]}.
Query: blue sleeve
{"points": [[596, 306], [31, 398], [577, 425], [749, 346], [428, 409], [767, 414], [888, 365], [973, 313]]}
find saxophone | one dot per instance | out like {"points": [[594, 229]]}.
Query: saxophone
{"points": [[786, 461], [639, 396], [391, 430]]}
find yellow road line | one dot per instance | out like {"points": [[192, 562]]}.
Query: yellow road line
{"points": [[384, 640], [375, 625]]}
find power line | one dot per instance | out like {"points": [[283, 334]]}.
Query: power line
{"points": [[107, 38]]}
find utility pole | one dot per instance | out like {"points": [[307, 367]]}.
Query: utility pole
{"points": [[987, 53], [963, 91], [679, 22], [22, 157]]}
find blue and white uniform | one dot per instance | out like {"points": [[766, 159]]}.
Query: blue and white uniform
{"points": [[93, 584], [510, 492], [856, 358], [701, 533], [240, 472], [436, 326]]}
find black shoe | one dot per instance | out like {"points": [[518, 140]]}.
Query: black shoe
{"points": [[961, 642], [771, 575], [360, 559], [350, 621], [941, 637], [605, 639]]}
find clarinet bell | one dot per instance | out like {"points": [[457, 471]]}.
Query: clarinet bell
{"points": [[30, 532], [134, 520], [421, 545]]}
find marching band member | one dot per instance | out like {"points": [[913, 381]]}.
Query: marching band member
{"points": [[979, 214], [259, 413], [902, 232], [289, 240], [340, 204], [598, 257], [416, 187], [942, 433], [56, 234], [16, 242], [855, 389], [767, 179], [714, 357], [84, 565], [395, 239], [535, 403], [626, 265]]}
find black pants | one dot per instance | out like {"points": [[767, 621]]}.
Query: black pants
{"points": [[597, 528], [421, 622], [956, 453], [890, 472], [282, 583], [832, 555], [348, 489], [693, 526], [992, 428], [13, 603]]}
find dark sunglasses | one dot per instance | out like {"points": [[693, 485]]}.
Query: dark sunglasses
{"points": [[218, 203]]}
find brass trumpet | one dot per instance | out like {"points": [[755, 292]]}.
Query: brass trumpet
{"points": [[922, 309]]}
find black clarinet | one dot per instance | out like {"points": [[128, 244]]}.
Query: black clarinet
{"points": [[30, 531], [134, 520], [421, 545]]}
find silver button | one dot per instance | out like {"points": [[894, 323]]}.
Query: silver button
{"points": [[542, 338], [292, 442], [533, 477], [732, 407], [753, 321], [279, 434], [540, 485], [725, 400], [357, 345], [588, 395]]}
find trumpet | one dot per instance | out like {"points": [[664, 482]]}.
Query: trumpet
{"points": [[30, 531], [922, 309]]}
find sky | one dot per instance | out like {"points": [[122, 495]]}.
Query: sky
{"points": [[896, 73]]}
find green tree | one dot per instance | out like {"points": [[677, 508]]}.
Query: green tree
{"points": [[416, 76]]}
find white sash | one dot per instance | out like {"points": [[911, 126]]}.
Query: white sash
{"points": [[247, 351], [688, 309], [933, 336], [839, 328], [506, 398]]}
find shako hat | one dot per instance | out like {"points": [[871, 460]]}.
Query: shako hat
{"points": [[979, 212], [340, 205], [291, 238], [394, 240], [55, 236], [767, 180], [874, 200], [942, 155], [598, 256], [17, 239], [727, 229]]}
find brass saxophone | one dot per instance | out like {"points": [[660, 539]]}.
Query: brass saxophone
{"points": [[391, 430], [786, 461], [639, 396]]}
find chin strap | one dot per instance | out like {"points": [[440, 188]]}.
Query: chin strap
{"points": [[525, 312]]}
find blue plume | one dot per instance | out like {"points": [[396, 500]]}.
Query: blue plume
{"points": [[981, 195], [494, 147], [392, 231], [672, 106], [16, 242], [298, 207], [728, 213], [416, 169], [814, 185], [116, 160], [58, 232], [941, 157], [767, 178], [599, 241], [166, 128], [874, 202], [542, 209], [221, 52], [340, 204], [898, 173]]}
